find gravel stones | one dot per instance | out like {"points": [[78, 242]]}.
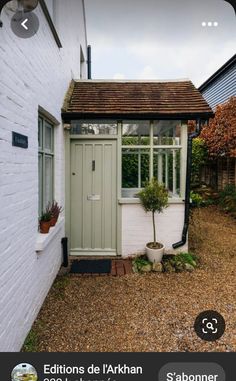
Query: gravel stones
{"points": [[150, 311]]}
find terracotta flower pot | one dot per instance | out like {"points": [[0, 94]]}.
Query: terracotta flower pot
{"points": [[53, 221], [44, 227]]}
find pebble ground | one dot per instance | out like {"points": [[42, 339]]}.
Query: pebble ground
{"points": [[150, 312]]}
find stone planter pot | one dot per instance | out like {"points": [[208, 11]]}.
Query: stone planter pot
{"points": [[44, 227], [155, 255]]}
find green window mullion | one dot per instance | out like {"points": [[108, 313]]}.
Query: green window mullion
{"points": [[164, 162], [139, 169], [151, 151], [40, 184], [46, 153], [43, 181]]}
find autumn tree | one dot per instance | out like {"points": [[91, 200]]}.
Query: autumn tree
{"points": [[220, 134]]}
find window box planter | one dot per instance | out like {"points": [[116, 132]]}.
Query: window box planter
{"points": [[43, 240]]}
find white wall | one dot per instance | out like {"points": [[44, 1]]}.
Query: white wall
{"points": [[137, 228], [33, 73]]}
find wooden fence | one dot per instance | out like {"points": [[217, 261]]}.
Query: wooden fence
{"points": [[219, 173]]}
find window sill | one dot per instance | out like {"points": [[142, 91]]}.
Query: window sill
{"points": [[43, 240], [137, 201]]}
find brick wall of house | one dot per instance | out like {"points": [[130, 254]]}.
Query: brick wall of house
{"points": [[137, 228], [33, 73]]}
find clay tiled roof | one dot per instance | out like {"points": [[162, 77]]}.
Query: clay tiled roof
{"points": [[157, 99]]}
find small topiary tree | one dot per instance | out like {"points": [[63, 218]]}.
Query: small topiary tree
{"points": [[154, 198]]}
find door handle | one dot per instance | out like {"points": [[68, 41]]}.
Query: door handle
{"points": [[93, 165]]}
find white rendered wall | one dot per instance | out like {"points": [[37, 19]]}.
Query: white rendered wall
{"points": [[33, 73], [137, 228]]}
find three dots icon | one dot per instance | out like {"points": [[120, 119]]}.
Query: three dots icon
{"points": [[210, 24]]}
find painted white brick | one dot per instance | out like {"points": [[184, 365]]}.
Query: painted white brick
{"points": [[33, 73], [137, 228]]}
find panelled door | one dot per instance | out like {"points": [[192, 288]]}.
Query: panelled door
{"points": [[93, 197]]}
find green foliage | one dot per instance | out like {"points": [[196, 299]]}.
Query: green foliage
{"points": [[189, 258], [130, 168], [197, 200], [130, 162], [199, 157], [59, 286], [45, 217], [179, 262], [31, 342], [139, 263], [228, 198], [154, 197], [229, 190]]}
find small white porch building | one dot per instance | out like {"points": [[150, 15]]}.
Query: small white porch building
{"points": [[119, 134]]}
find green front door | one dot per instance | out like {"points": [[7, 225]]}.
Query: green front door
{"points": [[93, 197]]}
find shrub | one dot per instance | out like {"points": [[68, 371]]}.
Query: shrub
{"points": [[220, 134], [189, 258], [180, 262], [199, 157], [197, 200], [139, 263], [228, 198]]}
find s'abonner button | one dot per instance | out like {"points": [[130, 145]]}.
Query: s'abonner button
{"points": [[192, 372]]}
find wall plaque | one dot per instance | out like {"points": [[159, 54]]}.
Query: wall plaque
{"points": [[19, 140]]}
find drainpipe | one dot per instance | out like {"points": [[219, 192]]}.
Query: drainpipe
{"points": [[89, 62], [64, 243], [188, 187]]}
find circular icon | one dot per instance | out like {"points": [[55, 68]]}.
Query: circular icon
{"points": [[24, 372], [29, 5], [209, 325], [25, 25]]}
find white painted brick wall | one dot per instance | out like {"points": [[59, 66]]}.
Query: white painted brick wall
{"points": [[137, 228], [33, 73]]}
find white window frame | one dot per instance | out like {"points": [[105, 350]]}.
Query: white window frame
{"points": [[131, 192]]}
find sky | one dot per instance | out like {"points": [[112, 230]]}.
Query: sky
{"points": [[159, 39]]}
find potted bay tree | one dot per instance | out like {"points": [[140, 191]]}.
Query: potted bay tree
{"points": [[154, 199]]}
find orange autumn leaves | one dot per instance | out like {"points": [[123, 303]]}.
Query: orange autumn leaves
{"points": [[220, 134]]}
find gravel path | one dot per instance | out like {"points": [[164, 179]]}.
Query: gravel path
{"points": [[152, 312]]}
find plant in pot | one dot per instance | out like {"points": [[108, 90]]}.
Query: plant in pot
{"points": [[45, 222], [54, 209], [154, 199]]}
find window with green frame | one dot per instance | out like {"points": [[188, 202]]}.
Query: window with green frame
{"points": [[45, 162], [150, 149]]}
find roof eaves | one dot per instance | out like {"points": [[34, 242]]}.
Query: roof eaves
{"points": [[68, 116], [132, 80], [68, 96], [218, 73]]}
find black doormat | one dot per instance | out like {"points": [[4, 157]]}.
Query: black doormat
{"points": [[90, 266]]}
